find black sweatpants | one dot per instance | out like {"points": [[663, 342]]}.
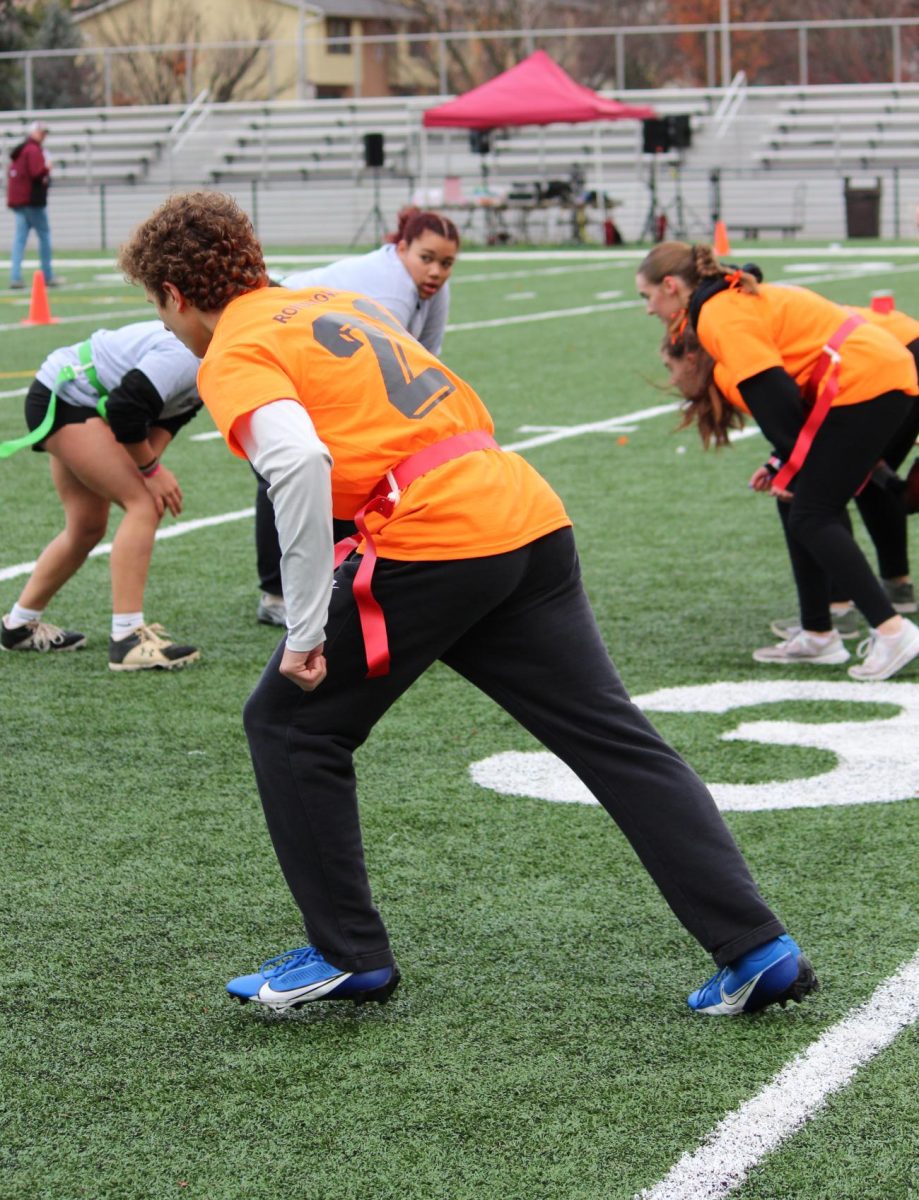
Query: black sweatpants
{"points": [[824, 554], [519, 626]]}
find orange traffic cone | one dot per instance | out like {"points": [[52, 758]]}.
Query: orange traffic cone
{"points": [[39, 310], [720, 243]]}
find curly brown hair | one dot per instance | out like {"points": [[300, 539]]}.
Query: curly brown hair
{"points": [[203, 243]]}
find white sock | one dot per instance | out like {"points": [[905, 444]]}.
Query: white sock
{"points": [[125, 623], [19, 616]]}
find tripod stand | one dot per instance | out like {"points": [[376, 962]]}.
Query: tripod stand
{"points": [[659, 216], [375, 215], [652, 227]]}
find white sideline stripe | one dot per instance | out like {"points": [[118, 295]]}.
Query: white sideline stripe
{"points": [[171, 531], [801, 1088]]}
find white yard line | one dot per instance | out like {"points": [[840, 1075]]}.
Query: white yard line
{"points": [[794, 1095]]}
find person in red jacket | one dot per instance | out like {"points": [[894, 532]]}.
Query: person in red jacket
{"points": [[27, 182]]}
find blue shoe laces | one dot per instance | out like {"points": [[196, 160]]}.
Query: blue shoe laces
{"points": [[290, 960]]}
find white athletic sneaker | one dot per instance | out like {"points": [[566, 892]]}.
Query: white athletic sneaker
{"points": [[884, 656], [848, 624], [801, 647]]}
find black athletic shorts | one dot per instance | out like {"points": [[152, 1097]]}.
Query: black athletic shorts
{"points": [[36, 406]]}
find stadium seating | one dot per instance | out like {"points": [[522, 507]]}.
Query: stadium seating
{"points": [[846, 128], [89, 146], [302, 163]]}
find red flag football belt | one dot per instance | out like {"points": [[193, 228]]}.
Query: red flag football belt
{"points": [[822, 388], [383, 499]]}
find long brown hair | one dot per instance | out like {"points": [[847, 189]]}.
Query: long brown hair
{"points": [[704, 404]]}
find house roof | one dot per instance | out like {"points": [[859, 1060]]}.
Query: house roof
{"points": [[378, 10]]}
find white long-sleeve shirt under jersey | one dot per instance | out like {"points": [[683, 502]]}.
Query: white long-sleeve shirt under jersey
{"points": [[282, 444]]}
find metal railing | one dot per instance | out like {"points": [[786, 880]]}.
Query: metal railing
{"points": [[720, 46]]}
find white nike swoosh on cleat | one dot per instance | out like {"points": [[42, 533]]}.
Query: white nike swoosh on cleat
{"points": [[733, 1002], [313, 991]]}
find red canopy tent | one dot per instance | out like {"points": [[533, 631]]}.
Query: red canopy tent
{"points": [[535, 92]]}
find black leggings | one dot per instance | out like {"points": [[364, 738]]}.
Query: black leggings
{"points": [[822, 549], [883, 511]]}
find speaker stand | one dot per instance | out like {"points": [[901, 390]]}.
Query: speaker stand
{"points": [[375, 215], [650, 227]]}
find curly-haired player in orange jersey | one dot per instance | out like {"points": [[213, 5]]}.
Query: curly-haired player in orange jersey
{"points": [[468, 558]]}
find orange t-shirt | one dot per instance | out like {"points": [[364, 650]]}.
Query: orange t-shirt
{"points": [[898, 324], [376, 396], [788, 327]]}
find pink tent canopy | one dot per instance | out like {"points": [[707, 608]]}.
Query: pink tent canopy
{"points": [[535, 92]]}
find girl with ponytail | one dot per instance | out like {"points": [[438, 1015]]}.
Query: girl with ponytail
{"points": [[829, 390]]}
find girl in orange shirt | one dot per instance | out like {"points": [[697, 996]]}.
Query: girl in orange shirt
{"points": [[829, 390], [346, 414]]}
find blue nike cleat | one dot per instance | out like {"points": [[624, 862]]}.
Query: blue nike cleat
{"points": [[293, 979], [775, 972]]}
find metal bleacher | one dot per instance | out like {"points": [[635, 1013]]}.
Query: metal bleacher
{"points": [[304, 139], [861, 129], [781, 160], [91, 146]]}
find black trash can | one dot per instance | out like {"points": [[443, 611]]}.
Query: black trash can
{"points": [[863, 209]]}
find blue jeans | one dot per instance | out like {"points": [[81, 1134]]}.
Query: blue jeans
{"points": [[30, 217]]}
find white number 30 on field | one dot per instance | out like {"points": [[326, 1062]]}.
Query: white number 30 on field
{"points": [[877, 760]]}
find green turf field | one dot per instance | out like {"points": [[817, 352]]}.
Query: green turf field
{"points": [[540, 1047]]}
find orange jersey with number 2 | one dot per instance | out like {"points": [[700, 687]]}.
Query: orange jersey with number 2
{"points": [[376, 396]]}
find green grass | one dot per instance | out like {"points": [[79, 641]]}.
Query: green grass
{"points": [[539, 1047]]}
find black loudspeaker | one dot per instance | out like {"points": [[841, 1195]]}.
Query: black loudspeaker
{"points": [[373, 150], [480, 141], [667, 133], [656, 135], [680, 131]]}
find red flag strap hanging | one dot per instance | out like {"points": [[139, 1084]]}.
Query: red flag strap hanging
{"points": [[822, 388], [383, 499]]}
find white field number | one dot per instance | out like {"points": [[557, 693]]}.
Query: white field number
{"points": [[877, 760]]}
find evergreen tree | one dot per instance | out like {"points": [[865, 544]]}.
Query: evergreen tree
{"points": [[61, 82], [12, 37]]}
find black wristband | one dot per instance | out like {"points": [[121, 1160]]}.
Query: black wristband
{"points": [[773, 465]]}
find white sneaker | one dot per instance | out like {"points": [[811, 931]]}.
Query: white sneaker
{"points": [[848, 624], [884, 656], [802, 647]]}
